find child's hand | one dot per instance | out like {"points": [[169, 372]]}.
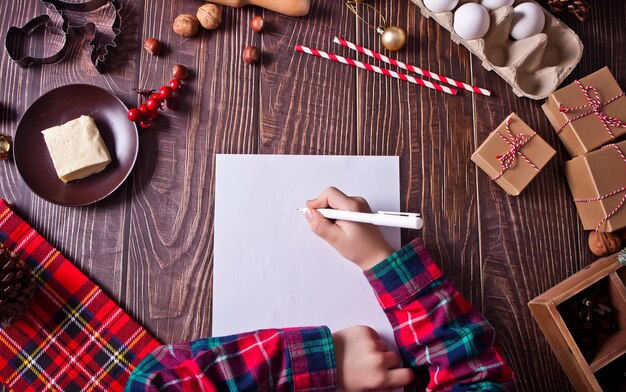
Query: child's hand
{"points": [[364, 362], [361, 243]]}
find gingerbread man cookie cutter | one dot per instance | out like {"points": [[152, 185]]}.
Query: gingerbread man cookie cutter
{"points": [[101, 46]]}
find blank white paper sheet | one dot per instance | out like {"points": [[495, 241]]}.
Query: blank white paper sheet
{"points": [[270, 270]]}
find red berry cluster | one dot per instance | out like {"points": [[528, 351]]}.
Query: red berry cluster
{"points": [[148, 111]]}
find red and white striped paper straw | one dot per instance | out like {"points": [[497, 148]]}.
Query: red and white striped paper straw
{"points": [[373, 68], [410, 67]]}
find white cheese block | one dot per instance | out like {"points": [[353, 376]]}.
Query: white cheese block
{"points": [[77, 149]]}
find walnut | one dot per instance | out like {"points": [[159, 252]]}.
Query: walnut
{"points": [[604, 244], [186, 25], [210, 16]]}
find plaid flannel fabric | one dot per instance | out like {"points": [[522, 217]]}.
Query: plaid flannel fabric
{"points": [[435, 326], [300, 359], [73, 337]]}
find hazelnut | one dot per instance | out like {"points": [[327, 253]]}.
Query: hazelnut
{"points": [[186, 25], [153, 46], [180, 72], [251, 54], [257, 24], [210, 16], [604, 244]]}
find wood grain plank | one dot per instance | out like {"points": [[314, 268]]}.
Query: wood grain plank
{"points": [[432, 133], [171, 225], [21, 87], [307, 103], [531, 242], [150, 244]]}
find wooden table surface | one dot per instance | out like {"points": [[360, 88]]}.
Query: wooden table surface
{"points": [[149, 245]]}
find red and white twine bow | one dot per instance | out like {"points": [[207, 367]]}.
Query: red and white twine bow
{"points": [[595, 106], [515, 143], [616, 192]]}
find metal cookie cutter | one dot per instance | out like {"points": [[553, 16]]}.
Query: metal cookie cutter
{"points": [[100, 45]]}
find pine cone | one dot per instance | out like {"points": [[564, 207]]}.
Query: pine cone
{"points": [[580, 8], [17, 287]]}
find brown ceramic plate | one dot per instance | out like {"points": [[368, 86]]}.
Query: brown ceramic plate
{"points": [[60, 106]]}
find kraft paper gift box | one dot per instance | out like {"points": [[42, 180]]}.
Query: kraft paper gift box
{"points": [[598, 184], [588, 113], [513, 155]]}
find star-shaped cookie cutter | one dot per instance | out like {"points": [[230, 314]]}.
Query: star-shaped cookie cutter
{"points": [[100, 48]]}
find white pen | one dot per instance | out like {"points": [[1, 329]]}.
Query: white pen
{"points": [[405, 220]]}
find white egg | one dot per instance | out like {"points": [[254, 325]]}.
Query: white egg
{"points": [[471, 21], [441, 5], [528, 20], [495, 4]]}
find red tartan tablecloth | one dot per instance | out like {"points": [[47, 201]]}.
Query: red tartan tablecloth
{"points": [[74, 337]]}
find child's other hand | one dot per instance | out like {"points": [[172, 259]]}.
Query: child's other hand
{"points": [[361, 243], [365, 363]]}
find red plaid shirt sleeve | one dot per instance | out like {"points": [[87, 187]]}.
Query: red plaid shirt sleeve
{"points": [[434, 326], [300, 359]]}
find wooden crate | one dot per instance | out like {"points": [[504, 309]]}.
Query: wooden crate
{"points": [[545, 310]]}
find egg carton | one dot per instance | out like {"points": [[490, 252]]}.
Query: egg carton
{"points": [[534, 66]]}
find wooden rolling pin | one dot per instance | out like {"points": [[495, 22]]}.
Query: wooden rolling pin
{"points": [[285, 7]]}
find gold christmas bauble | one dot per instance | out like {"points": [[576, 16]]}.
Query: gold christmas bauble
{"points": [[5, 146], [393, 38]]}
